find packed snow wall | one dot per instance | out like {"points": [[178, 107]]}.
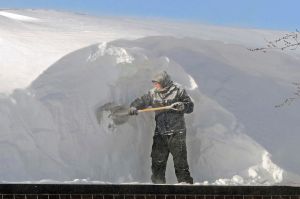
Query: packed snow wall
{"points": [[49, 130]]}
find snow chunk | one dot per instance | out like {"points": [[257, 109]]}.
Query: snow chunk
{"points": [[266, 170], [238, 179], [102, 48], [167, 59], [17, 16], [122, 56], [266, 173], [252, 173], [235, 180], [272, 168], [205, 183], [100, 52], [193, 83]]}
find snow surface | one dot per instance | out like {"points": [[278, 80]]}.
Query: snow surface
{"points": [[17, 17], [28, 48], [49, 132]]}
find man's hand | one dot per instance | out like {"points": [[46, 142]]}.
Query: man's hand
{"points": [[132, 111], [179, 106]]}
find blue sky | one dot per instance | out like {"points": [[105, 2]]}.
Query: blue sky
{"points": [[267, 14]]}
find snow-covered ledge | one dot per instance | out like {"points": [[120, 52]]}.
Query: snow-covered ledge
{"points": [[139, 191]]}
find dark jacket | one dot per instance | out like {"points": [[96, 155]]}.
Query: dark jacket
{"points": [[167, 121]]}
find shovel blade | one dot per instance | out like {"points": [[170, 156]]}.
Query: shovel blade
{"points": [[118, 114]]}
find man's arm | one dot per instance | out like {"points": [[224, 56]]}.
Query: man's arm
{"points": [[142, 102], [187, 101]]}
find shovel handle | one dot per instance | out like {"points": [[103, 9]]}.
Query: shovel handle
{"points": [[155, 109]]}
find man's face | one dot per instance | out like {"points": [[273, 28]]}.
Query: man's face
{"points": [[157, 85]]}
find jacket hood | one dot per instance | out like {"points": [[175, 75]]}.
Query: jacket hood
{"points": [[163, 78]]}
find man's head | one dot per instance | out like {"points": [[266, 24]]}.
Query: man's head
{"points": [[161, 80], [157, 85]]}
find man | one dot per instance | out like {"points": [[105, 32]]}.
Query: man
{"points": [[170, 130]]}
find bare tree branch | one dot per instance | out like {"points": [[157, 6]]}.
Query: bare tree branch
{"points": [[288, 41], [290, 100]]}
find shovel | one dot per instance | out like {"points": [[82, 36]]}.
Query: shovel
{"points": [[119, 114]]}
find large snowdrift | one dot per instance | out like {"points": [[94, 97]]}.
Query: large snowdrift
{"points": [[49, 130], [32, 40]]}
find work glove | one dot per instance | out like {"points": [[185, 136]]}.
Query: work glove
{"points": [[179, 106], [132, 111], [167, 102]]}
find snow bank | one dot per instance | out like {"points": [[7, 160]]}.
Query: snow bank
{"points": [[49, 130]]}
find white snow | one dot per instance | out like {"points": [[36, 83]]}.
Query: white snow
{"points": [[58, 110], [252, 173], [167, 60], [193, 83], [27, 50], [120, 54], [17, 16], [273, 169], [264, 173], [99, 52], [235, 180], [48, 127]]}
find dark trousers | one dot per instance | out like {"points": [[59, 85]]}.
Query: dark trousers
{"points": [[162, 146]]}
